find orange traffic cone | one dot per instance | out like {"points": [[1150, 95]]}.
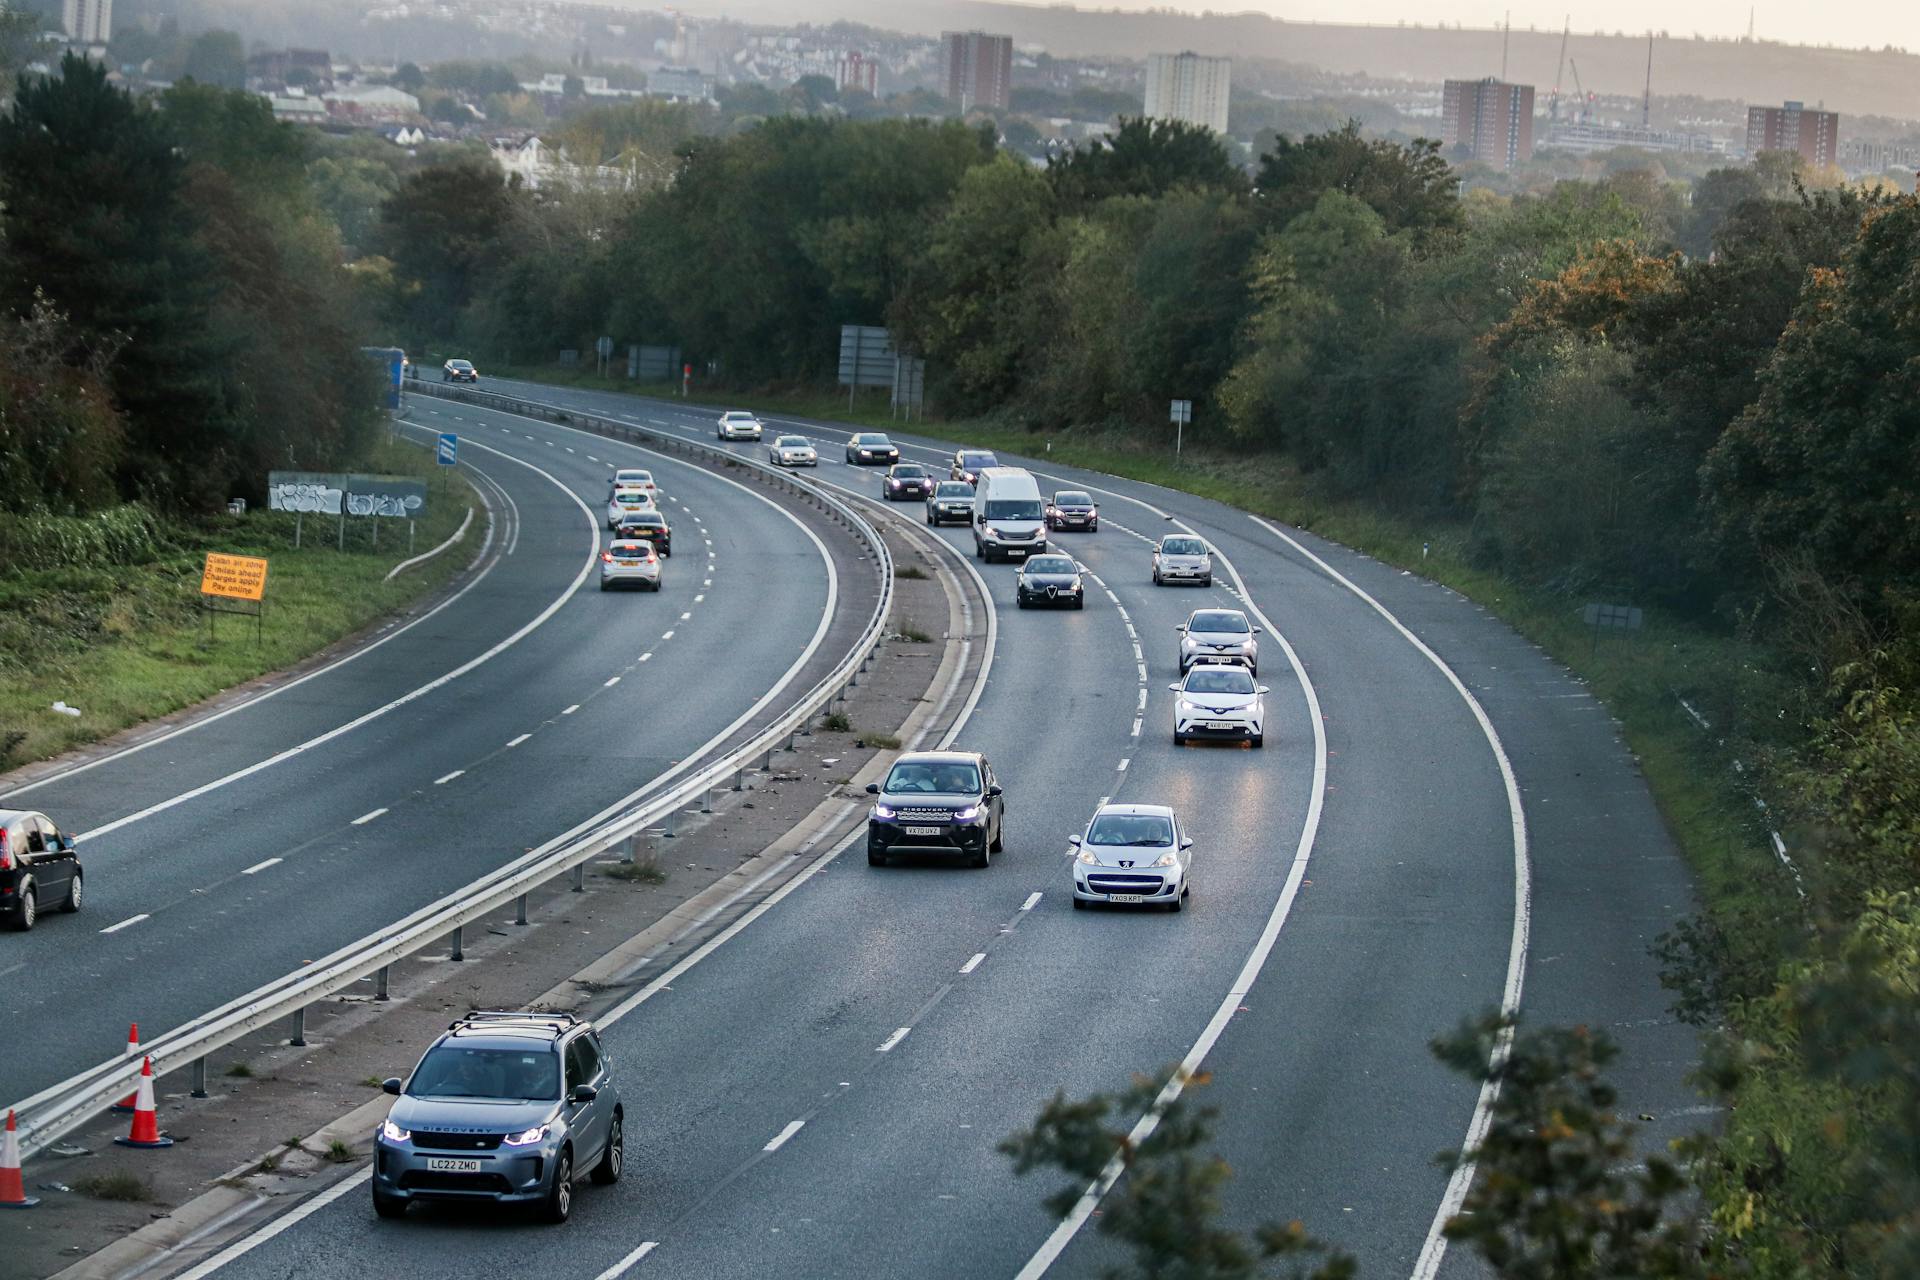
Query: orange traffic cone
{"points": [[146, 1121], [13, 1193], [125, 1104]]}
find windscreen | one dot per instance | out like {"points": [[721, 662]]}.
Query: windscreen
{"points": [[1130, 828], [1049, 564], [955, 489], [1219, 621], [933, 778], [1219, 680], [910, 471], [975, 461], [870, 440], [791, 442], [1184, 547], [632, 550], [1013, 509], [1072, 500], [457, 1071]]}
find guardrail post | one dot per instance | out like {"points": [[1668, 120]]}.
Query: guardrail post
{"points": [[627, 847], [706, 800], [666, 824], [739, 780], [200, 1077], [579, 877], [793, 740], [520, 910], [380, 983], [458, 954], [766, 761], [299, 1039]]}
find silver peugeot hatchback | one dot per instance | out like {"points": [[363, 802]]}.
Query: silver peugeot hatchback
{"points": [[506, 1108]]}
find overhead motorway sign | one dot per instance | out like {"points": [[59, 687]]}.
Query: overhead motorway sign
{"points": [[445, 453], [234, 577]]}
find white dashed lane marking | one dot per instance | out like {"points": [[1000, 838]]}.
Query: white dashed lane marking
{"points": [[258, 867], [892, 1040], [780, 1139], [365, 818], [445, 778], [522, 738]]}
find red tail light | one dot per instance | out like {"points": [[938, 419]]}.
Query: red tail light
{"points": [[607, 556], [6, 859], [652, 559]]}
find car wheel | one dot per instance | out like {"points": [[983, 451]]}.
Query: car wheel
{"points": [[72, 904], [559, 1204], [1079, 904], [876, 856], [388, 1206], [1259, 739], [29, 908], [603, 585], [979, 859], [1079, 602], [979, 552], [1207, 581], [1156, 577], [1178, 902], [929, 520], [607, 1172], [1021, 600], [1179, 739]]}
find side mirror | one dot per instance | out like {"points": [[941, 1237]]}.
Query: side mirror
{"points": [[980, 520], [873, 788], [1262, 688], [995, 790], [1074, 841], [1256, 631], [1179, 626], [1174, 687], [583, 1093], [391, 1085], [1186, 844]]}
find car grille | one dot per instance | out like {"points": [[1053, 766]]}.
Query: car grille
{"points": [[1124, 884], [921, 815], [456, 1141], [431, 1180]]}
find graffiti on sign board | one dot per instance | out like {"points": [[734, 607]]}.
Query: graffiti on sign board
{"points": [[332, 493]]}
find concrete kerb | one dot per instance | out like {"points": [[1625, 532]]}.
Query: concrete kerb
{"points": [[297, 1171]]}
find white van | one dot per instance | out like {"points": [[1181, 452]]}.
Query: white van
{"points": [[1009, 518]]}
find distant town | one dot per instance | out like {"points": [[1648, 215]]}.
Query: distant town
{"points": [[573, 59]]}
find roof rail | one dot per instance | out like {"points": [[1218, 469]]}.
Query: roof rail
{"points": [[515, 1015]]}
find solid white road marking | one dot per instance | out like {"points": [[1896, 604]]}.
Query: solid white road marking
{"points": [[974, 963], [261, 866], [365, 818], [444, 779], [277, 1226], [517, 741], [1033, 900], [893, 1040], [115, 928], [780, 1139], [619, 1268]]}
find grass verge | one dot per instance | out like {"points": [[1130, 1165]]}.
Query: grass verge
{"points": [[126, 1187], [116, 629]]}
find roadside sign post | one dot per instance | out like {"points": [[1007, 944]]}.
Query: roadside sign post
{"points": [[1181, 416], [240, 579], [603, 348], [1612, 617], [686, 381]]}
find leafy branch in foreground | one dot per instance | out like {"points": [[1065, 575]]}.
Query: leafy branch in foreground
{"points": [[1561, 1190], [1166, 1205]]}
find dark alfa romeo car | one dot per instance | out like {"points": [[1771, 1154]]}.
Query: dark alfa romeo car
{"points": [[1050, 580]]}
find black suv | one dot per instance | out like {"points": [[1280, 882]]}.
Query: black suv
{"points": [[936, 802], [38, 868], [507, 1108], [649, 526]]}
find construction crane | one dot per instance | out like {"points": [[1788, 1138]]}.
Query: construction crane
{"points": [[1582, 106], [1553, 101], [1646, 97]]}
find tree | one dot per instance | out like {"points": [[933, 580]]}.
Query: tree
{"points": [[810, 93], [409, 77], [1715, 196], [1410, 186], [218, 58], [1144, 158], [573, 88], [439, 228], [1167, 1199], [97, 224]]}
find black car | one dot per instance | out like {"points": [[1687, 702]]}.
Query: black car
{"points": [[967, 464], [864, 448], [38, 868], [906, 480], [938, 802], [1050, 580], [459, 371], [650, 525], [1072, 509], [951, 500]]}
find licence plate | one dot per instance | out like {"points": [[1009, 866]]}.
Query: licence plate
{"points": [[923, 831], [1221, 724], [1126, 897], [629, 564], [442, 1165]]}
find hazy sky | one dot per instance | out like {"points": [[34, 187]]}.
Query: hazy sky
{"points": [[1856, 23]]}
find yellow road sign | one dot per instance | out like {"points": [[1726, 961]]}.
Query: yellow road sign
{"points": [[234, 577]]}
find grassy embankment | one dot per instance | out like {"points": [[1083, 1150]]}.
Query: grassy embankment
{"points": [[103, 613], [1640, 679]]}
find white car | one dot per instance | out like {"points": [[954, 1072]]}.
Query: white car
{"points": [[630, 563], [738, 424], [793, 451], [1181, 557], [633, 478], [1218, 701], [1133, 853], [626, 502], [1218, 635]]}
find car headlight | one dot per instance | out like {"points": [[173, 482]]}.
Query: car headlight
{"points": [[884, 811], [1089, 857], [1167, 859], [995, 533], [393, 1132], [536, 1134], [1076, 583], [967, 814], [1188, 706]]}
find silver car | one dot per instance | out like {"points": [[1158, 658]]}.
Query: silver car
{"points": [[792, 451], [1181, 557], [505, 1108], [630, 564], [1218, 635], [1132, 853], [1218, 701], [738, 424], [950, 502]]}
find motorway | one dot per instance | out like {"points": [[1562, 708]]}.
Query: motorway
{"points": [[524, 704], [1442, 822]]}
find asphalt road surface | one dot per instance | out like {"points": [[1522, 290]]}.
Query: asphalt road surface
{"points": [[529, 702], [1441, 821]]}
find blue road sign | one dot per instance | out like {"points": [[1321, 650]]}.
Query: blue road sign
{"points": [[448, 447]]}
